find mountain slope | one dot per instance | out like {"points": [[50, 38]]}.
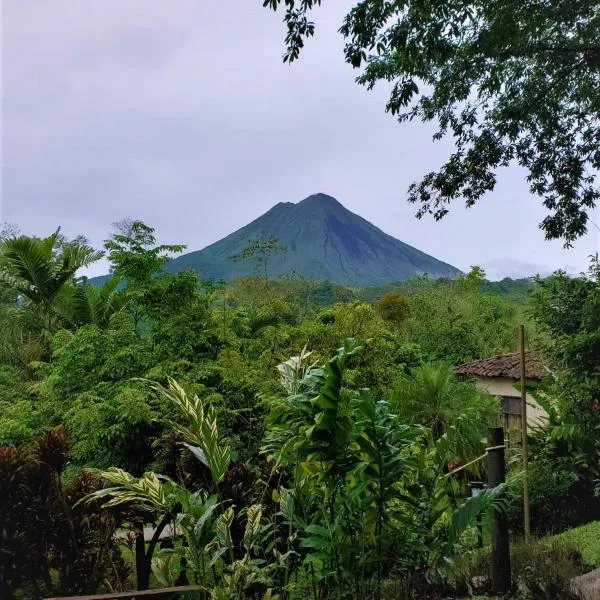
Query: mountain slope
{"points": [[324, 241]]}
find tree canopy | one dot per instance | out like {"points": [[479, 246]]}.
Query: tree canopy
{"points": [[511, 81], [336, 409], [41, 269], [134, 254]]}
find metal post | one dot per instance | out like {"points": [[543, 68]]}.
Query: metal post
{"points": [[501, 578], [524, 448], [475, 488]]}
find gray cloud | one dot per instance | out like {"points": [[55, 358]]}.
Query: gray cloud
{"points": [[182, 114]]}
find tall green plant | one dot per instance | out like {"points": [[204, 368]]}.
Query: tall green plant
{"points": [[86, 304], [385, 462], [199, 429], [39, 269], [369, 497], [432, 396]]}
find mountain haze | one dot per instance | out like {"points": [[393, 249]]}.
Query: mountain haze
{"points": [[324, 240]]}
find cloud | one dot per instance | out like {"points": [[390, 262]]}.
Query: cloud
{"points": [[516, 269], [182, 114]]}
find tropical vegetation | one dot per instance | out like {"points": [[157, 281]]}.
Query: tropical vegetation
{"points": [[270, 437]]}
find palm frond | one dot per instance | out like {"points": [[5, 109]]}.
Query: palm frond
{"points": [[85, 304], [466, 514], [39, 268]]}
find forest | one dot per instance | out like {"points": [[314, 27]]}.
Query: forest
{"points": [[280, 437]]}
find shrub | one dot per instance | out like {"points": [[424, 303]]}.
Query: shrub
{"points": [[393, 308], [49, 543], [555, 501], [544, 569], [587, 541], [541, 570]]}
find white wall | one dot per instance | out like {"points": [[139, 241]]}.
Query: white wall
{"points": [[503, 386]]}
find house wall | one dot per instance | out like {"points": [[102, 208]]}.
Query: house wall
{"points": [[503, 386]]}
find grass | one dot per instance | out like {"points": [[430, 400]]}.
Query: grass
{"points": [[586, 540]]}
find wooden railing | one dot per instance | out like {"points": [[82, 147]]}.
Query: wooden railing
{"points": [[157, 594]]}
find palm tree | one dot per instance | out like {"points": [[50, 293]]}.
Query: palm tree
{"points": [[434, 397], [85, 304], [39, 269]]}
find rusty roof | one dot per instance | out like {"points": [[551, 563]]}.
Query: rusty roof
{"points": [[505, 365]]}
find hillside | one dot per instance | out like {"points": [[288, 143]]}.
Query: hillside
{"points": [[324, 241]]}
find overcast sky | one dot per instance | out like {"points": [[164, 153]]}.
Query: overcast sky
{"points": [[182, 114]]}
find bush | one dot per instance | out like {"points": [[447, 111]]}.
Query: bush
{"points": [[559, 497], [541, 570], [553, 505], [49, 543], [586, 539], [392, 308], [544, 569]]}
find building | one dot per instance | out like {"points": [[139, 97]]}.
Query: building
{"points": [[500, 375]]}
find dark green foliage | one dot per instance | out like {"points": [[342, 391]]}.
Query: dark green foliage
{"points": [[564, 468], [558, 497], [50, 545], [433, 397], [541, 570], [501, 78], [567, 311], [86, 304], [393, 307]]}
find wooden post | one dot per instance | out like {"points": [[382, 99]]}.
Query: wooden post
{"points": [[524, 447], [501, 577], [142, 576]]}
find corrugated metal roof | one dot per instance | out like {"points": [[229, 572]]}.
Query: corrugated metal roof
{"points": [[505, 365]]}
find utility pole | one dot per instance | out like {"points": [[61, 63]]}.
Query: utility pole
{"points": [[524, 447], [501, 576]]}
